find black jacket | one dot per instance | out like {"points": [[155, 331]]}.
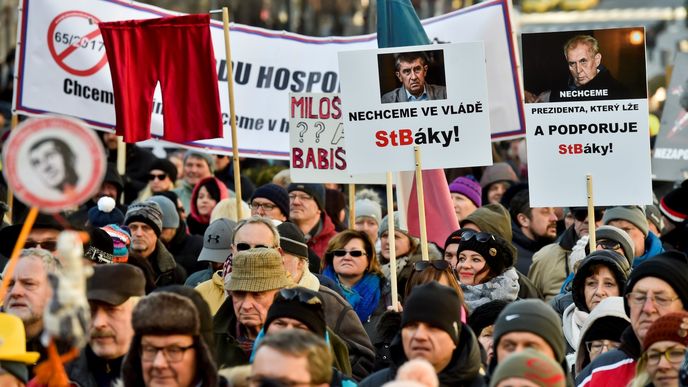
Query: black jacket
{"points": [[227, 351], [89, 370], [602, 81], [463, 369], [186, 248], [525, 248]]}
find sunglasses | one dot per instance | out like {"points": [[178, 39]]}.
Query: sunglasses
{"points": [[481, 237], [438, 264], [245, 246], [45, 245], [353, 253], [290, 294], [608, 245], [159, 176], [582, 214]]}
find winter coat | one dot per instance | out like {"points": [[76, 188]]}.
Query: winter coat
{"points": [[213, 292], [550, 265], [603, 80], [89, 370], [186, 248], [502, 287], [572, 322], [613, 368], [227, 351], [325, 232], [463, 369], [160, 268], [653, 246], [525, 248]]}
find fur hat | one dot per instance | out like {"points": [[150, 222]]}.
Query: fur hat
{"points": [[164, 313]]}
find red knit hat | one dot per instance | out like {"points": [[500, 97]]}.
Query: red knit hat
{"points": [[667, 328]]}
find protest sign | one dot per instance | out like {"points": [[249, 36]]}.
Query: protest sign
{"points": [[671, 147], [61, 69], [450, 122], [53, 163], [317, 141], [587, 115]]}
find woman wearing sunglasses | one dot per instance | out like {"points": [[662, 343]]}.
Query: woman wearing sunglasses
{"points": [[162, 177], [205, 196], [664, 350], [351, 262], [485, 269]]}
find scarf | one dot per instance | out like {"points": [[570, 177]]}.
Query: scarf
{"points": [[364, 296], [502, 287]]}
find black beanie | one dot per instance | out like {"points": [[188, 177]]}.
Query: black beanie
{"points": [[274, 193], [485, 315], [670, 266], [167, 167], [606, 328], [317, 191], [495, 251], [300, 304], [534, 316], [436, 305], [674, 205], [615, 262]]}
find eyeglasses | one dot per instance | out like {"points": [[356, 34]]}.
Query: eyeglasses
{"points": [[245, 246], [672, 355], [259, 380], [439, 264], [302, 197], [159, 176], [264, 206], [481, 237], [596, 346], [45, 245], [637, 299], [608, 245], [290, 294], [582, 213], [353, 253], [173, 353]]}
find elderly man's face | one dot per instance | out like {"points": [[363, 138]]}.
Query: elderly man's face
{"points": [[111, 330], [29, 291], [143, 239], [49, 163], [251, 308], [168, 360], [657, 298], [582, 63], [412, 75], [421, 340], [195, 169]]}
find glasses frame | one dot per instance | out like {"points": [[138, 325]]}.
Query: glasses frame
{"points": [[438, 264], [660, 303], [481, 237], [605, 344], [165, 353], [265, 206], [353, 253], [666, 356], [242, 246], [157, 176]]}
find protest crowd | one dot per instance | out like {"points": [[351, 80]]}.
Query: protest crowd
{"points": [[183, 270], [185, 291]]}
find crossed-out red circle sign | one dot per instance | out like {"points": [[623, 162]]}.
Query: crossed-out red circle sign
{"points": [[74, 34]]}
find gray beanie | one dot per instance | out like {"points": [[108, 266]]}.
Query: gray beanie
{"points": [[368, 208], [534, 316], [619, 236], [147, 212], [632, 214], [204, 156], [170, 216]]}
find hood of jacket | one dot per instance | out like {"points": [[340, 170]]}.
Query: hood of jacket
{"points": [[463, 367], [609, 307]]}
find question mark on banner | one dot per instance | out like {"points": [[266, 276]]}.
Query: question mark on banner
{"points": [[303, 128], [321, 128], [338, 134]]}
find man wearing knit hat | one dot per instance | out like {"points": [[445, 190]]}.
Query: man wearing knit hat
{"points": [[307, 210], [528, 324], [270, 200], [184, 247], [656, 287], [439, 338], [533, 228], [167, 348], [144, 219], [368, 215], [112, 292], [632, 219], [466, 194], [257, 274], [197, 166]]}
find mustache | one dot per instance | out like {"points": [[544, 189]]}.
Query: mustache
{"points": [[99, 334]]}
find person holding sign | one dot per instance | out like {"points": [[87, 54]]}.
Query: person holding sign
{"points": [[485, 266], [589, 79], [411, 68]]}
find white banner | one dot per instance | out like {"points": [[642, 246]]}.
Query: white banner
{"points": [[62, 68], [451, 128], [317, 141], [594, 121]]}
